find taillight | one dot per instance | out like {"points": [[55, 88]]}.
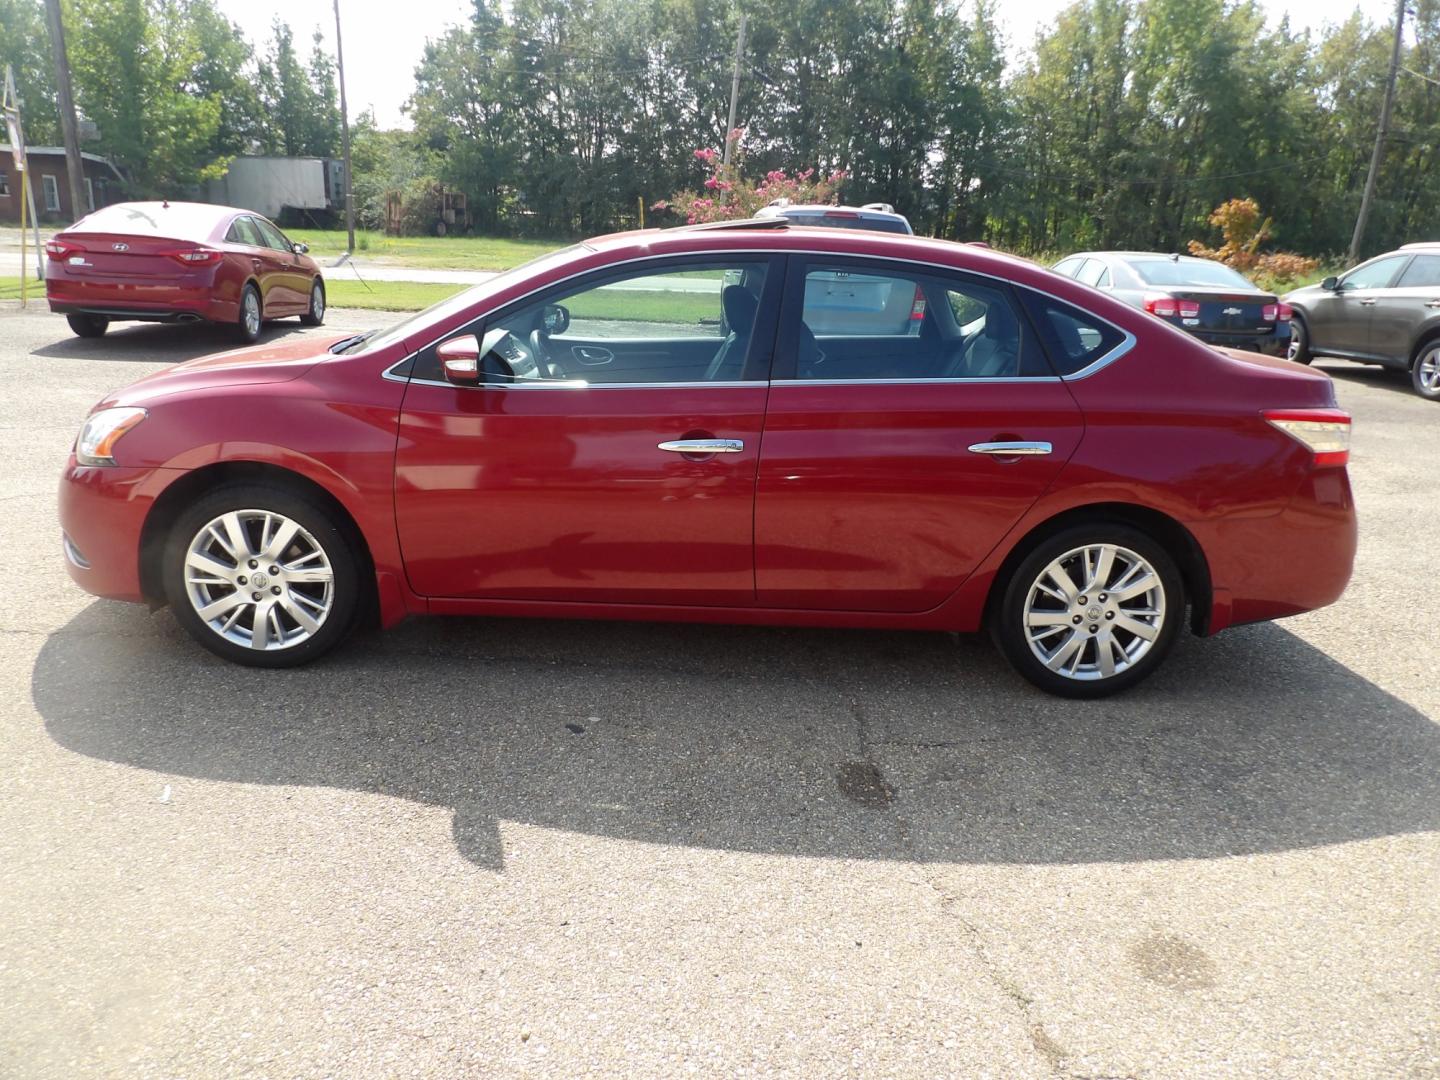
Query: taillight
{"points": [[196, 256], [917, 309], [1325, 431], [1285, 312], [1189, 309], [1161, 305], [1276, 312], [60, 250]]}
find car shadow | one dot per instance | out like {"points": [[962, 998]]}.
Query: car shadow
{"points": [[873, 745], [164, 342], [1368, 375]]}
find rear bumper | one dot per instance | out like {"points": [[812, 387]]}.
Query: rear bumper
{"points": [[102, 515], [1285, 564], [146, 303]]}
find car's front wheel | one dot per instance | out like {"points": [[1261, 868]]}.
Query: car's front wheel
{"points": [[262, 576], [1299, 350], [89, 326], [1425, 374], [1091, 610]]}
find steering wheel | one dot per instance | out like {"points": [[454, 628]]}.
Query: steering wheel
{"points": [[540, 353]]}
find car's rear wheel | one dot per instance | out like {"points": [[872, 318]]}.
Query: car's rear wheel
{"points": [[316, 315], [1425, 372], [262, 576], [1091, 610], [1299, 350], [90, 326], [247, 326]]}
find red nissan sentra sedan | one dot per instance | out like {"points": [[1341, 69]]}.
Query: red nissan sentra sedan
{"points": [[180, 262], [648, 426]]}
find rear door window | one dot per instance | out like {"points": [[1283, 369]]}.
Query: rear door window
{"points": [[876, 321], [1423, 271], [1092, 272]]}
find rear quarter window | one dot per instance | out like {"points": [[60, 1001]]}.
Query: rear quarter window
{"points": [[1072, 338]]}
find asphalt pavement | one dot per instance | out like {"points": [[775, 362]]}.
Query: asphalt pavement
{"points": [[503, 848]]}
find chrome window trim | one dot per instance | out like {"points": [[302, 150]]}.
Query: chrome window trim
{"points": [[575, 384], [1125, 345]]}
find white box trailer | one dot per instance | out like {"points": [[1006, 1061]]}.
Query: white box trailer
{"points": [[269, 184]]}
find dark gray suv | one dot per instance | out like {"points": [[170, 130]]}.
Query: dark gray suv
{"points": [[1385, 311]]}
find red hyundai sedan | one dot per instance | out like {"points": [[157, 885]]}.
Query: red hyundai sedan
{"points": [[180, 262], [654, 425]]}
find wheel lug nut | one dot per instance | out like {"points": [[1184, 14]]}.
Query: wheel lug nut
{"points": [[1082, 600], [275, 589], [1102, 598], [1093, 628], [241, 579], [1109, 615], [255, 596], [253, 564], [1077, 620], [274, 570]]}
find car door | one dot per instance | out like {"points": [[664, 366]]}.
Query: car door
{"points": [[893, 464], [563, 480], [1400, 310], [263, 263], [1339, 321], [290, 287]]}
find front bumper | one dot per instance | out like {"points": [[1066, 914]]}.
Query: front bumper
{"points": [[102, 517]]}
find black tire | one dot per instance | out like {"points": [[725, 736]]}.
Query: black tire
{"points": [[1299, 341], [247, 328], [1008, 620], [1425, 371], [88, 326], [323, 529], [316, 315]]}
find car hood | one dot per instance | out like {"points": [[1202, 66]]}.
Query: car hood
{"points": [[280, 361]]}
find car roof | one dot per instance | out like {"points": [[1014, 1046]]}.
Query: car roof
{"points": [[1167, 256], [174, 219]]}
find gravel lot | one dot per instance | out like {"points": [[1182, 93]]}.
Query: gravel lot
{"points": [[526, 848]]}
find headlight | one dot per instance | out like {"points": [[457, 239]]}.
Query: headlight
{"points": [[96, 445]]}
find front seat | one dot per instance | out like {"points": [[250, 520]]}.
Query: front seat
{"points": [[995, 352], [740, 306]]}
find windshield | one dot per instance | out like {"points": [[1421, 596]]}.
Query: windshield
{"points": [[1189, 272], [457, 303]]}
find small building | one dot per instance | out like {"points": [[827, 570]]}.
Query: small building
{"points": [[277, 186], [51, 184]]}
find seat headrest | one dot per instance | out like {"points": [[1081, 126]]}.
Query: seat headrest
{"points": [[740, 307]]}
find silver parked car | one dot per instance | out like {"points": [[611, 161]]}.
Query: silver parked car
{"points": [[878, 217], [1385, 311]]}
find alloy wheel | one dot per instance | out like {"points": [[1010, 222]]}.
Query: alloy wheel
{"points": [[252, 313], [259, 580], [317, 302], [1094, 612], [1427, 371]]}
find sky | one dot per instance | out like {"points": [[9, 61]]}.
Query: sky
{"points": [[381, 51]]}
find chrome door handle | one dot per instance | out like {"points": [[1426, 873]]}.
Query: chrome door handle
{"points": [[1367, 303], [1011, 449], [1432, 303], [591, 356], [703, 446]]}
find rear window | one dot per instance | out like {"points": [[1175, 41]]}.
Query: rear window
{"points": [[1199, 272], [178, 220], [1074, 339]]}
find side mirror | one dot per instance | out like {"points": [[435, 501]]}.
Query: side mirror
{"points": [[300, 249], [555, 319], [1330, 284], [460, 360]]}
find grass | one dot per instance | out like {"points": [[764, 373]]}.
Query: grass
{"points": [[387, 295], [10, 289], [669, 308], [431, 252]]}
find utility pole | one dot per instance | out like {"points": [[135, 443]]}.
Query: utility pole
{"points": [[74, 164], [1369, 196], [344, 137], [735, 87]]}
